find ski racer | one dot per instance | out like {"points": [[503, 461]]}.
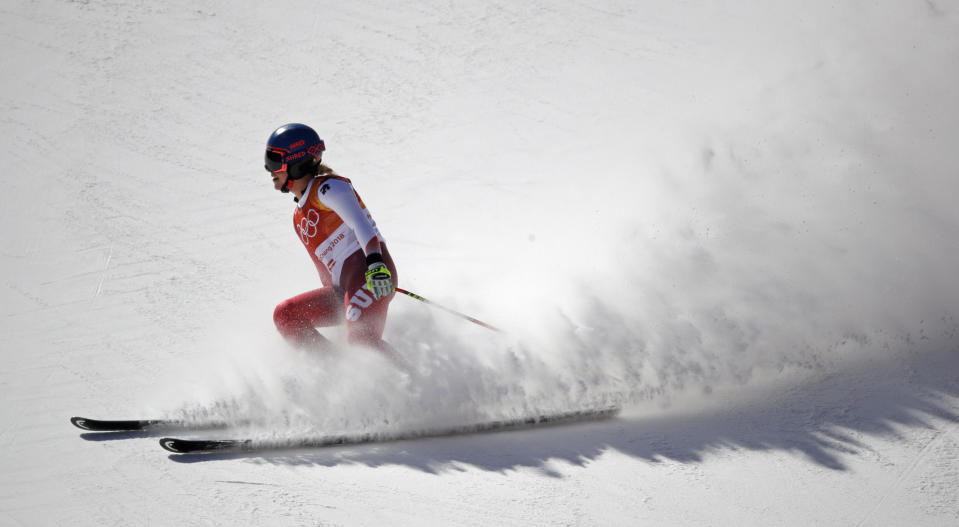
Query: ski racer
{"points": [[356, 270]]}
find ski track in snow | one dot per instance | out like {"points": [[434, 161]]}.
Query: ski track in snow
{"points": [[745, 212], [937, 439]]}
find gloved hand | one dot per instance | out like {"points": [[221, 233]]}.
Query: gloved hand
{"points": [[379, 280]]}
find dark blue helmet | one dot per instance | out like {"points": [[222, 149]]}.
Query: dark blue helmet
{"points": [[295, 149]]}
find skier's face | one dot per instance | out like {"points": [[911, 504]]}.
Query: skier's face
{"points": [[279, 179], [274, 164]]}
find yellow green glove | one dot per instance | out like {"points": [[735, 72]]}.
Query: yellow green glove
{"points": [[379, 280]]}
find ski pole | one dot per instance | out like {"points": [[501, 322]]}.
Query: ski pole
{"points": [[467, 317], [448, 310]]}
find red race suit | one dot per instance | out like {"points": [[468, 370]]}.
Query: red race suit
{"points": [[335, 227]]}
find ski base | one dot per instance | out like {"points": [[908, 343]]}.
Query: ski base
{"points": [[197, 446], [206, 446], [131, 425], [140, 425]]}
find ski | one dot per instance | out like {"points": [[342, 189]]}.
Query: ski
{"points": [[140, 425], [205, 446]]}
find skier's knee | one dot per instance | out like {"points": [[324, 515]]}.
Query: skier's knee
{"points": [[285, 319]]}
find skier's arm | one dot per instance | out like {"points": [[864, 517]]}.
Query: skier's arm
{"points": [[339, 197], [373, 247]]}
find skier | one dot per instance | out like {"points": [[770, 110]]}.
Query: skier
{"points": [[356, 270]]}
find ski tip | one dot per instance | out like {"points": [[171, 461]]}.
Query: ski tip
{"points": [[171, 444], [80, 422]]}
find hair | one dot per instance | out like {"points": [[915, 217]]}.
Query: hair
{"points": [[325, 170]]}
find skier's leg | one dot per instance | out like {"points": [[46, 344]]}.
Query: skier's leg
{"points": [[297, 318], [366, 318]]}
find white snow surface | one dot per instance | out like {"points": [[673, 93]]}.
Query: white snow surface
{"points": [[735, 219]]}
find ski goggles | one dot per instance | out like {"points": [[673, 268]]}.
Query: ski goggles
{"points": [[274, 160]]}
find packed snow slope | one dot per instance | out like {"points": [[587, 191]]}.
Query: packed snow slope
{"points": [[736, 220]]}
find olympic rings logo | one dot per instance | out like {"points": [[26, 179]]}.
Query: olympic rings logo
{"points": [[308, 225]]}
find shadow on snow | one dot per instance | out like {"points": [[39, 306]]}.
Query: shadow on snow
{"points": [[821, 419]]}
